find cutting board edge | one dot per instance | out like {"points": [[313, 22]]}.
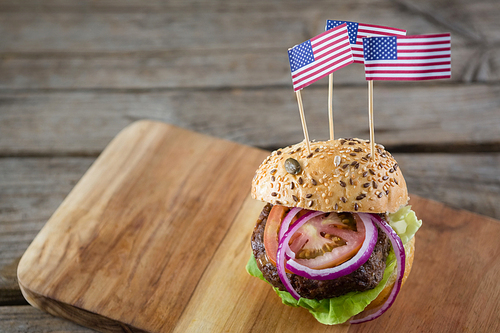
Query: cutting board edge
{"points": [[79, 316]]}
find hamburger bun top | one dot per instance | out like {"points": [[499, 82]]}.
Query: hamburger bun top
{"points": [[338, 176]]}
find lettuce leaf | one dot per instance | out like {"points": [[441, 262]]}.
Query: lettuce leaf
{"points": [[336, 310], [405, 223]]}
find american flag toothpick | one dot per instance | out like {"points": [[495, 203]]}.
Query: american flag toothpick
{"points": [[357, 31], [315, 59]]}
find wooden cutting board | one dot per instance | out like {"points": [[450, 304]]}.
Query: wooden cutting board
{"points": [[156, 235]]}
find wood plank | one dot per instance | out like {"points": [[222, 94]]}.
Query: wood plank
{"points": [[462, 181], [27, 319], [406, 115], [208, 27], [245, 68]]}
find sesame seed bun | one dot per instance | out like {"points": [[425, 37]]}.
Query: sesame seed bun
{"points": [[338, 176]]}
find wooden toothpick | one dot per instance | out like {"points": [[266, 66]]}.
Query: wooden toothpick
{"points": [[370, 116], [303, 119], [330, 104]]}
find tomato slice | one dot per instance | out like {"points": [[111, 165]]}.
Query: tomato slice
{"points": [[328, 240], [271, 232]]}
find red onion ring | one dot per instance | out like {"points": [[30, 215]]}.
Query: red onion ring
{"points": [[285, 225], [280, 257], [364, 253], [287, 220], [399, 250]]}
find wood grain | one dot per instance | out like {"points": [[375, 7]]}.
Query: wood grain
{"points": [[443, 177], [74, 73], [24, 319], [207, 26], [405, 116], [453, 286], [139, 214], [198, 69], [106, 257]]}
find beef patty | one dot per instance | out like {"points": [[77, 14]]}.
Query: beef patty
{"points": [[364, 278]]}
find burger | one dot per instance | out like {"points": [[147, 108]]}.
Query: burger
{"points": [[337, 234]]}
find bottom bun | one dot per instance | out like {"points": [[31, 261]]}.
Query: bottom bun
{"points": [[384, 295]]}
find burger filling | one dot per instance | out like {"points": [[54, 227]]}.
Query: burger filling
{"points": [[322, 242]]}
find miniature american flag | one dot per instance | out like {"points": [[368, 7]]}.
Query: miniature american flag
{"points": [[319, 56], [358, 31], [423, 57]]}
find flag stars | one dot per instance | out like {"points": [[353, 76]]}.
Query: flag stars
{"points": [[300, 55], [380, 48], [352, 28]]}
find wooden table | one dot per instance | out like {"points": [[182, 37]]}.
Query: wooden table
{"points": [[73, 74]]}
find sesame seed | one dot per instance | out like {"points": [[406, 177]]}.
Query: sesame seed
{"points": [[391, 170], [310, 155], [350, 181], [358, 150], [308, 195], [327, 201], [366, 185], [300, 181], [273, 179], [316, 150], [385, 177], [361, 196], [295, 198], [387, 192], [342, 183], [292, 185], [336, 161], [313, 181], [344, 200], [352, 143], [278, 152], [274, 194], [356, 207], [278, 202], [374, 184], [372, 172], [345, 166], [342, 142], [365, 173], [396, 181], [380, 195], [396, 167], [310, 203], [336, 206], [273, 171], [353, 154]]}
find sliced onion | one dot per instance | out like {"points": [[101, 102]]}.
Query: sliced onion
{"points": [[364, 253], [285, 225], [287, 220], [280, 257], [399, 250]]}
